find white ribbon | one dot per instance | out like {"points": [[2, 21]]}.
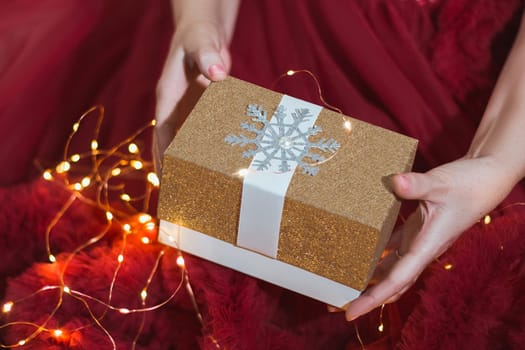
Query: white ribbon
{"points": [[263, 192]]}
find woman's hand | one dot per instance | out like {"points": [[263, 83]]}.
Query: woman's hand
{"points": [[198, 54], [452, 197]]}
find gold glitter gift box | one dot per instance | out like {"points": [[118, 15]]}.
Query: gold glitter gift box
{"points": [[322, 230]]}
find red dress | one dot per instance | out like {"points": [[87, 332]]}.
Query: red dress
{"points": [[422, 68]]}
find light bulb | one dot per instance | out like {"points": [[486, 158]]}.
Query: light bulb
{"points": [[7, 307], [137, 164], [63, 167], [133, 148], [143, 218], [85, 181], [75, 158], [115, 172], [348, 125], [180, 261], [242, 172], [47, 175], [153, 179]]}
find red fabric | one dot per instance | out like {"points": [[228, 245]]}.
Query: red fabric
{"points": [[58, 58], [474, 305], [367, 60], [421, 68]]}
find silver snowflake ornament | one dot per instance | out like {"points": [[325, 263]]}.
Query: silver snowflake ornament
{"points": [[283, 139]]}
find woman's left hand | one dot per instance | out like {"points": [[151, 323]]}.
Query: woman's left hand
{"points": [[452, 197]]}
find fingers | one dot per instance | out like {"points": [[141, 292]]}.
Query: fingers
{"points": [[331, 308], [395, 239], [206, 49], [171, 86], [422, 241], [210, 63], [403, 274], [399, 269]]}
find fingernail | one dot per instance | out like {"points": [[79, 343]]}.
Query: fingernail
{"points": [[350, 318], [216, 71], [332, 308], [401, 176], [358, 307]]}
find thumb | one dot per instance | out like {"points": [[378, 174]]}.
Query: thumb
{"points": [[210, 62], [412, 185]]}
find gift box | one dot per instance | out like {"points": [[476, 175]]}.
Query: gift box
{"points": [[282, 189]]}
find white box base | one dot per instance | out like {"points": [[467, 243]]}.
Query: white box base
{"points": [[256, 265]]}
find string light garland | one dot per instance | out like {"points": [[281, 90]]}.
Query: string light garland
{"points": [[102, 187], [347, 123], [293, 72], [381, 326]]}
